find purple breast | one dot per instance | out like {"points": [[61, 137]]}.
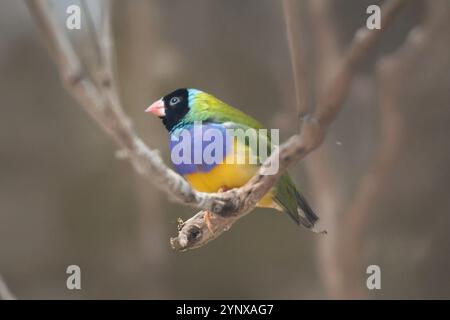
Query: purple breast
{"points": [[199, 147]]}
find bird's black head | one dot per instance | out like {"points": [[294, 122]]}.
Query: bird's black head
{"points": [[176, 105], [171, 108]]}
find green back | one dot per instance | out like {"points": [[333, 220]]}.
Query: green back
{"points": [[205, 107]]}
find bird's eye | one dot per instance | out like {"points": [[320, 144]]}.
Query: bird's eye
{"points": [[174, 101]]}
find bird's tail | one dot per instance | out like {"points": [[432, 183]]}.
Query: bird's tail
{"points": [[305, 215], [295, 205]]}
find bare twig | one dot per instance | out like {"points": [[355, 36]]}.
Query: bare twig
{"points": [[321, 177], [325, 189], [5, 293], [330, 91], [104, 106], [363, 41], [392, 75], [326, 37], [298, 56], [91, 31]]}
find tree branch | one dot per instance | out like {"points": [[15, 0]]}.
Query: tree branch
{"points": [[105, 107], [5, 293], [297, 55], [325, 189], [391, 75], [363, 41], [331, 92]]}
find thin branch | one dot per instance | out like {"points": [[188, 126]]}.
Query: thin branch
{"points": [[328, 53], [392, 76], [325, 189], [297, 56], [323, 183], [5, 293], [92, 31], [326, 38], [106, 109], [363, 41]]}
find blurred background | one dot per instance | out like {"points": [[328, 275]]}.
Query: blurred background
{"points": [[66, 199]]}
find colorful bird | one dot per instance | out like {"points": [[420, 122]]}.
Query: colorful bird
{"points": [[183, 111]]}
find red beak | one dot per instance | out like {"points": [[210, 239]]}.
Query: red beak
{"points": [[157, 108]]}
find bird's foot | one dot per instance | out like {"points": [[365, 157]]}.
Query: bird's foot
{"points": [[222, 189], [207, 219]]}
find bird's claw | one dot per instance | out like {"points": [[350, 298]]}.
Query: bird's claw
{"points": [[207, 219]]}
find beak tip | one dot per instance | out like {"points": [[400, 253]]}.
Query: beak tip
{"points": [[157, 108]]}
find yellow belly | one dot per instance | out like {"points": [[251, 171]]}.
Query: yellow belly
{"points": [[228, 175]]}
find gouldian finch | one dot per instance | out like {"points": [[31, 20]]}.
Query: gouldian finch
{"points": [[184, 109]]}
